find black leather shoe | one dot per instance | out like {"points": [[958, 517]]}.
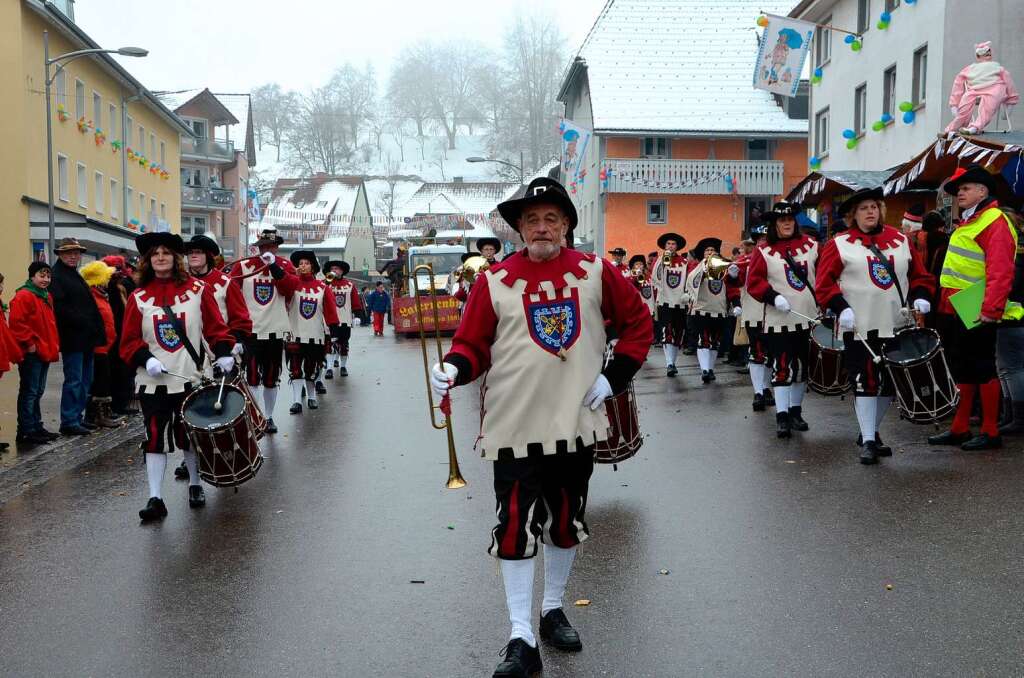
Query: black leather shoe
{"points": [[796, 420], [769, 398], [982, 441], [556, 629], [705, 376], [520, 660], [196, 496], [296, 408], [758, 403], [881, 449], [271, 426], [181, 472], [783, 425], [312, 404], [949, 438], [329, 373], [74, 431], [48, 434], [89, 426], [869, 453], [320, 388], [342, 371], [671, 371], [689, 351], [155, 510]]}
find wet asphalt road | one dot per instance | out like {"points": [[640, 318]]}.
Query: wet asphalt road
{"points": [[778, 553]]}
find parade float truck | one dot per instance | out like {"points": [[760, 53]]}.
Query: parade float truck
{"points": [[444, 259]]}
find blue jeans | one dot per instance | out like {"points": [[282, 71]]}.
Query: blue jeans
{"points": [[32, 372], [1010, 360], [77, 381]]}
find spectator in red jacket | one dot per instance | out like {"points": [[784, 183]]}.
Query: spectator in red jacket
{"points": [[98, 410], [35, 329], [10, 352]]}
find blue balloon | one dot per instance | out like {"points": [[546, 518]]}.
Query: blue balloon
{"points": [[849, 134], [886, 118], [886, 17], [908, 117], [817, 72], [849, 39], [911, 2]]}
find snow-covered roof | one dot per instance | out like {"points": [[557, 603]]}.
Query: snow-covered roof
{"points": [[321, 201], [679, 66], [236, 105], [477, 197], [378, 192]]}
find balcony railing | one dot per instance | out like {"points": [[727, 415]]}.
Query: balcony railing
{"points": [[694, 177], [207, 198], [208, 149]]}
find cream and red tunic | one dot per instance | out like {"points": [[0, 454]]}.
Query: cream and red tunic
{"points": [[646, 289], [770, 275], [710, 297], [312, 309], [752, 310], [849, 275], [229, 301], [148, 332], [521, 320], [346, 299], [265, 295], [670, 281]]}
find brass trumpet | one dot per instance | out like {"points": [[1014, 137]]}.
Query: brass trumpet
{"points": [[716, 266], [455, 479], [666, 258], [471, 268]]}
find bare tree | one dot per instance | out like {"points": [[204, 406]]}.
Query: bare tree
{"points": [[387, 202], [356, 94], [273, 110], [399, 131], [409, 88], [319, 136]]}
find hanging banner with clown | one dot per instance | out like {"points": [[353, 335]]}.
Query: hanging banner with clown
{"points": [[781, 57], [575, 140]]}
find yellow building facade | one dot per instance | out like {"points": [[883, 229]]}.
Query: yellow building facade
{"points": [[115, 171]]}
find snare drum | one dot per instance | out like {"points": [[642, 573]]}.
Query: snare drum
{"points": [[624, 438], [925, 389], [827, 375], [259, 422], [225, 441]]}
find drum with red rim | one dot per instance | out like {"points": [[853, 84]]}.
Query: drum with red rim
{"points": [[624, 437], [259, 421], [826, 373], [224, 441]]}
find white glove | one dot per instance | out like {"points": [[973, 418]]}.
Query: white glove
{"points": [[225, 364], [953, 110], [442, 377], [737, 311], [733, 271], [782, 304], [238, 349], [922, 306], [598, 393], [846, 319], [154, 367], [268, 258], [686, 300]]}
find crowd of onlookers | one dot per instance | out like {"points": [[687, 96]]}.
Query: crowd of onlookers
{"points": [[73, 314]]}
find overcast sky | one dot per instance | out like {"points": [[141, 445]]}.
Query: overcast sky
{"points": [[236, 45]]}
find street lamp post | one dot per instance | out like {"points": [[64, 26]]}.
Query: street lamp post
{"points": [[520, 168], [47, 62]]}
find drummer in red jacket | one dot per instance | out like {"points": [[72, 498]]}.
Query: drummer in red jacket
{"points": [[35, 329]]}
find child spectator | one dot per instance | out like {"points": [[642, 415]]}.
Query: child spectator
{"points": [[97, 412], [379, 303], [10, 352], [35, 329]]}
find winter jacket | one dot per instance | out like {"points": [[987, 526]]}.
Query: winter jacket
{"points": [[33, 324], [78, 319], [10, 352], [103, 306], [378, 302]]}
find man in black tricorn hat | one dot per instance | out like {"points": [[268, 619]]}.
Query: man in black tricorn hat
{"points": [[535, 325]]}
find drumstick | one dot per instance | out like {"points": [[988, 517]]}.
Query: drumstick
{"points": [[179, 376], [217, 407], [874, 357]]}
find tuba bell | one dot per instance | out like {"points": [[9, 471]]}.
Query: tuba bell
{"points": [[666, 258], [716, 266], [471, 268]]}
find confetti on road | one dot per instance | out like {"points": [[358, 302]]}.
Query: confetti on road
{"points": [[662, 571], [582, 602]]}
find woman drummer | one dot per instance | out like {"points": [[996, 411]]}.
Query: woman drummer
{"points": [[863, 276], [781, 276], [153, 342]]}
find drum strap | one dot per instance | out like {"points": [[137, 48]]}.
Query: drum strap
{"points": [[798, 271], [176, 322], [889, 269]]}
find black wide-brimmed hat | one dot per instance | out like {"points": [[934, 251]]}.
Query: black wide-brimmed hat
{"points": [[269, 237], [637, 258], [204, 243], [308, 255], [860, 196], [972, 174], [145, 242], [541, 191], [783, 208], [493, 242], [332, 263], [698, 251], [665, 237], [468, 255], [618, 252]]}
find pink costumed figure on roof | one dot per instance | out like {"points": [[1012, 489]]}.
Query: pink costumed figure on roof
{"points": [[986, 82]]}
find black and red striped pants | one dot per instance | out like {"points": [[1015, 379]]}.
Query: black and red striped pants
{"points": [[867, 377], [787, 355], [161, 412]]}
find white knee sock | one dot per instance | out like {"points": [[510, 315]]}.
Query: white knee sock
{"points": [[756, 377], [342, 361], [518, 577], [673, 352], [712, 358], [269, 400], [297, 385], [557, 565], [882, 404], [156, 464], [796, 394], [191, 463], [867, 411], [667, 350], [702, 359], [311, 390], [782, 398]]}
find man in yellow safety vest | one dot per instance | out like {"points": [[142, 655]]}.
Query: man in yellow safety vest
{"points": [[981, 250]]}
